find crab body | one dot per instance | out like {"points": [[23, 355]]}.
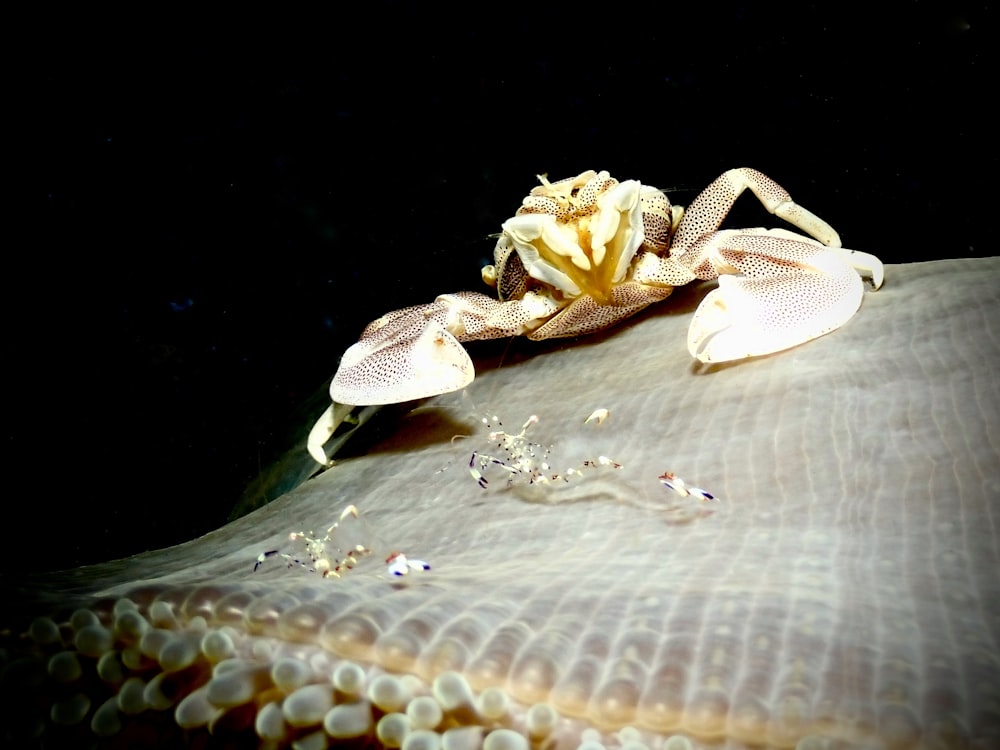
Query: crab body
{"points": [[584, 253], [588, 244]]}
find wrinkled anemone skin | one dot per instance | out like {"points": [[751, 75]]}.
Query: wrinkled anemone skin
{"points": [[842, 592]]}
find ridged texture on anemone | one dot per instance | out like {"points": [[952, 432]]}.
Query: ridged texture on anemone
{"points": [[843, 589]]}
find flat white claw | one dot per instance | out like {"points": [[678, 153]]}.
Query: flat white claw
{"points": [[789, 290], [409, 357]]}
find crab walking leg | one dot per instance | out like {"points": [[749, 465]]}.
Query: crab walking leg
{"points": [[790, 290], [323, 430], [416, 353], [864, 263], [318, 442], [707, 211]]}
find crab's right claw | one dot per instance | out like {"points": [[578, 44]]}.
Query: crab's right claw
{"points": [[402, 356], [415, 352]]}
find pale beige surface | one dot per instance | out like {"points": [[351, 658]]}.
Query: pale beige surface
{"points": [[846, 585]]}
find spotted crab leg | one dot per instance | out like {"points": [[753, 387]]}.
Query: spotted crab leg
{"points": [[707, 211]]}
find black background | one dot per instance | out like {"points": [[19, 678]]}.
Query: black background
{"points": [[218, 206]]}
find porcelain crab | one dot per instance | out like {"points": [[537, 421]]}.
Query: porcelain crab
{"points": [[583, 253]]}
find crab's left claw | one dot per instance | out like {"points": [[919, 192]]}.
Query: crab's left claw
{"points": [[787, 289]]}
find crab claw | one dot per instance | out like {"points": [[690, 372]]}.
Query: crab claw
{"points": [[404, 355], [789, 289], [415, 352]]}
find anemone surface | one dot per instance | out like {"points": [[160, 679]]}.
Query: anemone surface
{"points": [[842, 589]]}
